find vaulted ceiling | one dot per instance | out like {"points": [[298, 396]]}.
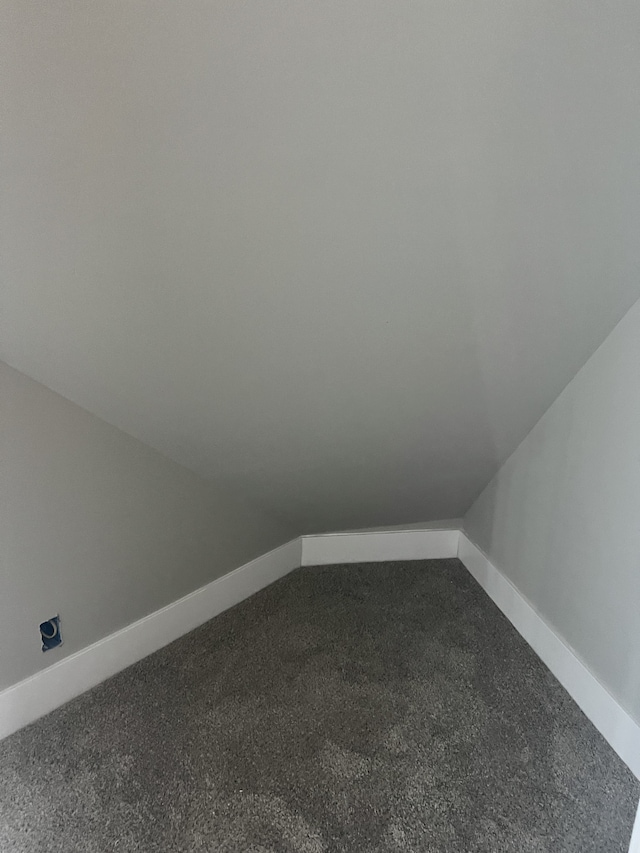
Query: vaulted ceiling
{"points": [[342, 254]]}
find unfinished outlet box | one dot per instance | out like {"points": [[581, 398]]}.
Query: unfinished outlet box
{"points": [[50, 634]]}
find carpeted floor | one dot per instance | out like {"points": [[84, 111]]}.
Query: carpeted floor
{"points": [[385, 707]]}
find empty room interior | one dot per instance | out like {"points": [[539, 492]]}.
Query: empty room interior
{"points": [[319, 426]]}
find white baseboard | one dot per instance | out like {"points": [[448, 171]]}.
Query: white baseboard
{"points": [[35, 696], [332, 548], [611, 720], [43, 692], [634, 846]]}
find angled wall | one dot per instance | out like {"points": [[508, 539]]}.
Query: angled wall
{"points": [[562, 517], [99, 528], [345, 253]]}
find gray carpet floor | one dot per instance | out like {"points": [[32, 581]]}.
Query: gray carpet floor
{"points": [[383, 707]]}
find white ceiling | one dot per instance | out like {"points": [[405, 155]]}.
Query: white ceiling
{"points": [[344, 254]]}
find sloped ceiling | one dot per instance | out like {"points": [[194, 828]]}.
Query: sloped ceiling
{"points": [[343, 254]]}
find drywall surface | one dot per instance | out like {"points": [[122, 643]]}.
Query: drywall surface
{"points": [[346, 252], [99, 528], [562, 517], [440, 524]]}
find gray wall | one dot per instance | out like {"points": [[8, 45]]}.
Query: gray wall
{"points": [[100, 528], [347, 253], [562, 517]]}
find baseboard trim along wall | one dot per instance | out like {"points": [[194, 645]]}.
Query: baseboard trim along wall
{"points": [[43, 692], [634, 847], [37, 695], [611, 720], [333, 548]]}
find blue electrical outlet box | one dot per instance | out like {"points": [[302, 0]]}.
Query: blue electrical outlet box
{"points": [[50, 634]]}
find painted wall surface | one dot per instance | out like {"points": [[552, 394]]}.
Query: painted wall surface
{"points": [[562, 517], [99, 528], [347, 253]]}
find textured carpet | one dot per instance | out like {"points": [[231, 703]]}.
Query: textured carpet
{"points": [[385, 707]]}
